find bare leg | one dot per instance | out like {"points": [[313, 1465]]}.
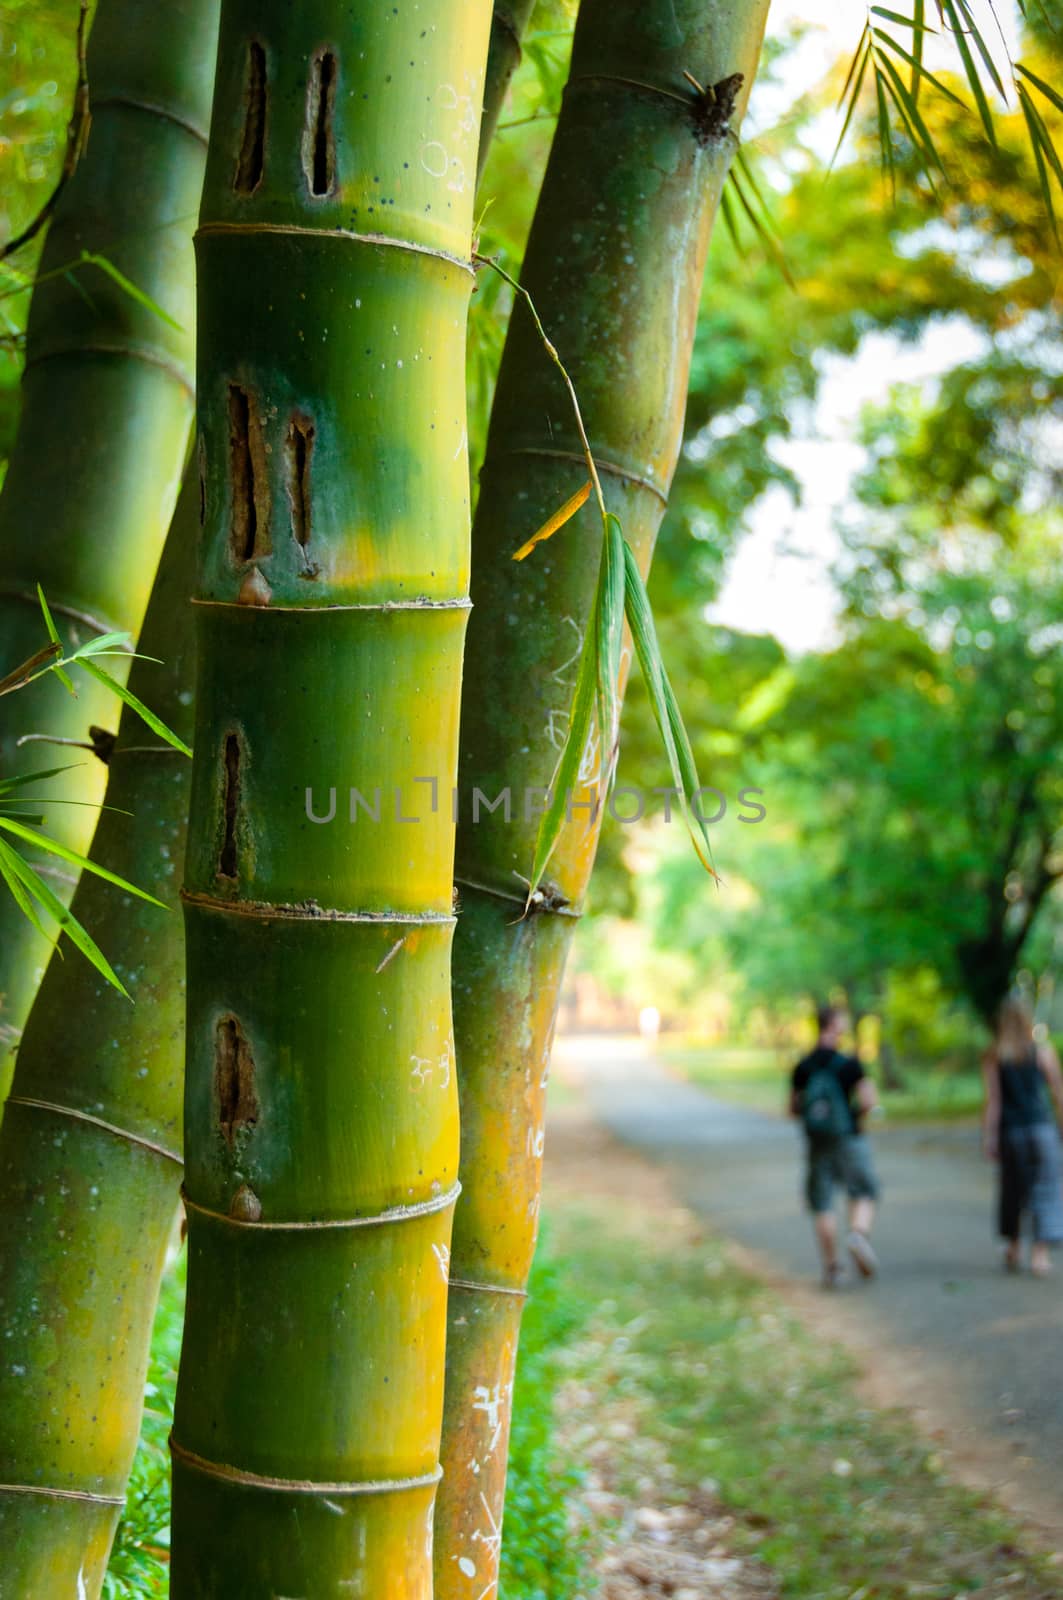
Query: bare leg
{"points": [[862, 1216], [1040, 1260], [826, 1227]]}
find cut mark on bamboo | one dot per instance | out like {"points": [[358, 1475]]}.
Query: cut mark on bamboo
{"points": [[311, 911], [487, 1288], [62, 1494], [228, 862], [423, 1208], [461, 604], [131, 103], [249, 527], [251, 161], [348, 234], [255, 1480], [300, 449], [234, 1081], [319, 144], [96, 1122], [610, 467], [129, 352]]}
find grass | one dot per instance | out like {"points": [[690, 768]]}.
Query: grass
{"points": [[758, 1079], [840, 1501], [720, 1390]]}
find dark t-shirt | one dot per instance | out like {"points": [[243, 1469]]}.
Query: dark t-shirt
{"points": [[849, 1073]]}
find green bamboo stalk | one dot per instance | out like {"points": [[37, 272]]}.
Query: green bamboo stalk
{"points": [[90, 1148], [614, 265], [508, 24], [106, 408], [320, 1111]]}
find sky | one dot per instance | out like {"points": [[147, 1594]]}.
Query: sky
{"points": [[779, 577]]}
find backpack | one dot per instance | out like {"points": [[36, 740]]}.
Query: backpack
{"points": [[824, 1103]]}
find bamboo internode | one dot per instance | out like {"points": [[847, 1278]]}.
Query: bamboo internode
{"points": [[106, 407], [614, 266], [321, 1108]]}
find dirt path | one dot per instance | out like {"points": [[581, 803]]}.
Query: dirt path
{"points": [[975, 1356]]}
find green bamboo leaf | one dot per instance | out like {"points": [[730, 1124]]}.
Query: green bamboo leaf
{"points": [[665, 706], [911, 117], [106, 641], [7, 785], [977, 35], [970, 68], [566, 775], [67, 921], [90, 258], [83, 863], [154, 723], [759, 217], [1044, 137], [887, 39], [915, 22], [729, 219], [609, 610], [18, 892], [885, 137], [1043, 175], [919, 30], [860, 62], [1046, 89], [53, 634]]}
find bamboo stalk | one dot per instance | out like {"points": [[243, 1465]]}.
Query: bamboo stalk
{"points": [[508, 24], [321, 1112], [106, 406], [90, 1148], [614, 265]]}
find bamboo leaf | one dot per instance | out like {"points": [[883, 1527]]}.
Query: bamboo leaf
{"points": [[665, 706], [919, 30], [884, 135], [761, 226], [911, 116], [914, 22], [562, 515], [53, 634], [972, 74], [7, 785], [90, 258], [859, 67], [610, 628], [31, 836], [18, 891], [21, 675], [887, 39], [980, 45], [1043, 175], [106, 641], [154, 723], [566, 775], [1039, 83], [67, 921]]}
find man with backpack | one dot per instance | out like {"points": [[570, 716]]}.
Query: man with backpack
{"points": [[831, 1094]]}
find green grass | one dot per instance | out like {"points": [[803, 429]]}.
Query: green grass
{"points": [[839, 1500], [649, 1322], [758, 1079]]}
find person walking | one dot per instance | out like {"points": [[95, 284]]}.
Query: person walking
{"points": [[831, 1094], [1022, 1084]]}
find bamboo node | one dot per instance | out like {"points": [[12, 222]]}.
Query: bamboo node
{"points": [[256, 1480]]}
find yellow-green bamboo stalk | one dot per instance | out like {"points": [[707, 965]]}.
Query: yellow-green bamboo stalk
{"points": [[614, 265], [106, 408], [320, 1113], [90, 1148]]}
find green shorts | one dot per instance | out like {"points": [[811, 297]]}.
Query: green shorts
{"points": [[843, 1162]]}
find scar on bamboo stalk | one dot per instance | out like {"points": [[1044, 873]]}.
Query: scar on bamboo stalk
{"points": [[714, 106]]}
